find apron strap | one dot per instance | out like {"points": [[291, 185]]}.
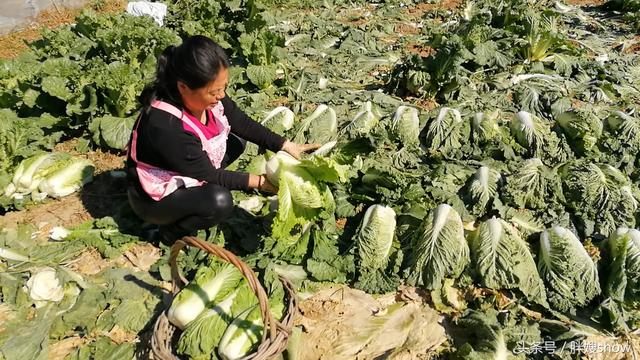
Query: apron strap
{"points": [[166, 107]]}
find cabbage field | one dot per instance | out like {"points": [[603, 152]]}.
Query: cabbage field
{"points": [[477, 195]]}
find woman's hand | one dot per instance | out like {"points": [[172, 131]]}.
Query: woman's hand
{"points": [[267, 187], [296, 150], [261, 183]]}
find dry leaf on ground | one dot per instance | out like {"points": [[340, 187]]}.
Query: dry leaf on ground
{"points": [[140, 256], [343, 323], [62, 348]]}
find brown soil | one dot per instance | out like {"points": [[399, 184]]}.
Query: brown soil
{"points": [[407, 29], [419, 10], [585, 2], [6, 314], [355, 21], [426, 104], [103, 160], [634, 47], [281, 101], [389, 39], [421, 50], [119, 336], [67, 211], [11, 45], [357, 17]]}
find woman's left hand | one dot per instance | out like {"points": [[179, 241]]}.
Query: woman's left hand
{"points": [[296, 150]]}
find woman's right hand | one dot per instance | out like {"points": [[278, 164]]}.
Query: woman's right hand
{"points": [[261, 183], [267, 186]]}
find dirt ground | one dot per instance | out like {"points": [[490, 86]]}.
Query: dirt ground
{"points": [[586, 2], [13, 44], [420, 9]]}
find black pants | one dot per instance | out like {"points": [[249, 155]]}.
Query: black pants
{"points": [[187, 210]]}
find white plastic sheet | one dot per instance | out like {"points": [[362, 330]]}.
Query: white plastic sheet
{"points": [[17, 14], [141, 8]]}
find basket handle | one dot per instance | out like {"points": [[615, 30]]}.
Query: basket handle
{"points": [[267, 318]]}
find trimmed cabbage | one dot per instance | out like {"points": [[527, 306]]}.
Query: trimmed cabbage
{"points": [[571, 277], [439, 249]]}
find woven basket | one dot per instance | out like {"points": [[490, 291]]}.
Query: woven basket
{"points": [[275, 334]]}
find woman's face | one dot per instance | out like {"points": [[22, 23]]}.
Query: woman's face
{"points": [[206, 97]]}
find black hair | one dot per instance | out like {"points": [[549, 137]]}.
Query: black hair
{"points": [[195, 62]]}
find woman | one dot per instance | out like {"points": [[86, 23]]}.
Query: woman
{"points": [[188, 132]]}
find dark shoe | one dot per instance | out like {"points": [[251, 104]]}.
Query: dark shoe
{"points": [[169, 234], [157, 235], [149, 233], [153, 236]]}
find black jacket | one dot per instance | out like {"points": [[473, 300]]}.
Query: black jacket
{"points": [[163, 143]]}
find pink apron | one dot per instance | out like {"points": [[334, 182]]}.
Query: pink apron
{"points": [[158, 183]]}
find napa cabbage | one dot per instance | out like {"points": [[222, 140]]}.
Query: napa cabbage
{"points": [[9, 254], [406, 126], [502, 260], [622, 138], [379, 262], [529, 130], [263, 76], [202, 336], [26, 170], [602, 197], [325, 149], [582, 126], [540, 34], [230, 326], [625, 127], [44, 286], [496, 334], [444, 134], [50, 174], [319, 127], [535, 135], [376, 236], [485, 126], [279, 120], [210, 283], [569, 273], [66, 177], [624, 270], [438, 249], [406, 131], [483, 188], [242, 334], [489, 139], [303, 192], [365, 119], [533, 185], [31, 171]]}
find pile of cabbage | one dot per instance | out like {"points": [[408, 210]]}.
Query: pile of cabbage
{"points": [[54, 174], [219, 314]]}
